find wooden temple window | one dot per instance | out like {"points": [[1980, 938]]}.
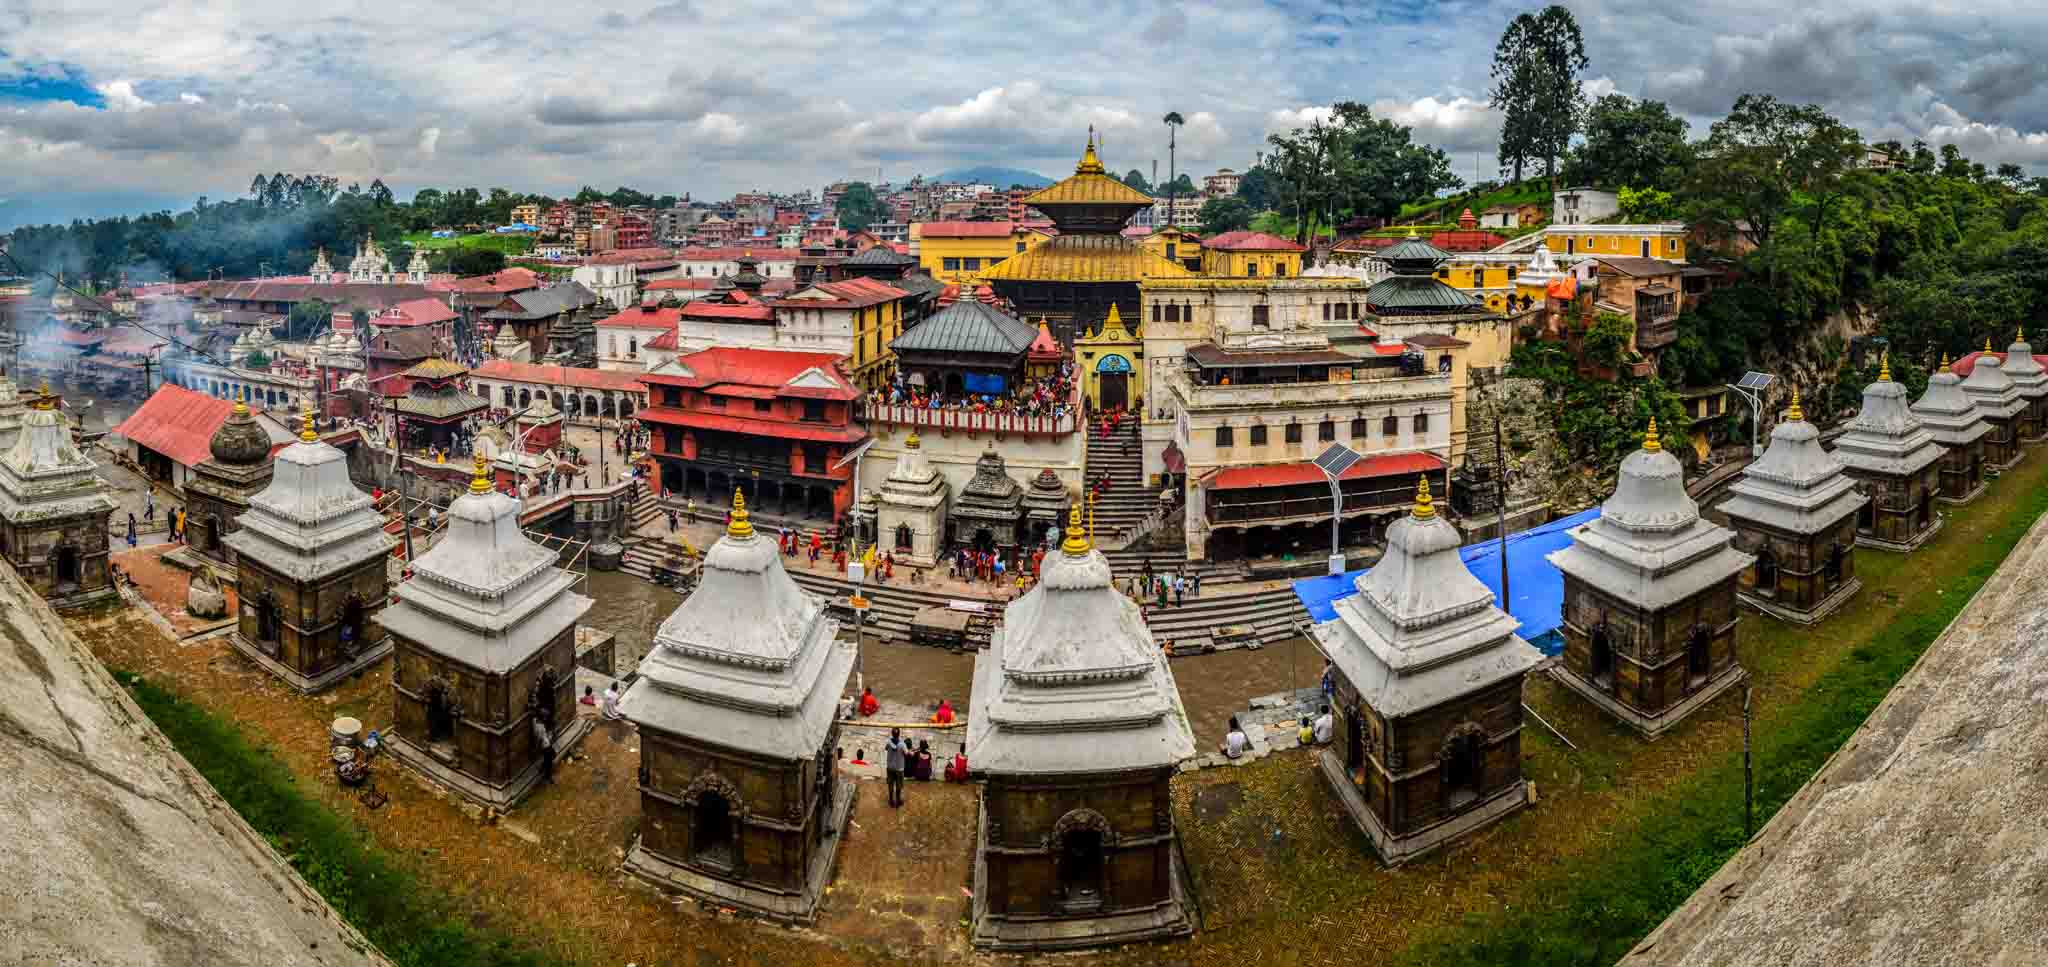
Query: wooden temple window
{"points": [[1225, 436], [1261, 317], [1326, 431], [1421, 423], [1390, 427], [764, 406], [1291, 433], [1360, 429], [1258, 434]]}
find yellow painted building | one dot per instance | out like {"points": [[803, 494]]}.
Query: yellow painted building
{"points": [[1661, 241], [1250, 255], [962, 251], [1111, 363], [1176, 246]]}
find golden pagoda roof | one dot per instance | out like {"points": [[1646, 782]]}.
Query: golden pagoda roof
{"points": [[1089, 185], [1085, 258], [436, 368]]}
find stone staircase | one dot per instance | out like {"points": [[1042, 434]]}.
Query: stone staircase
{"points": [[1220, 620], [1128, 500]]}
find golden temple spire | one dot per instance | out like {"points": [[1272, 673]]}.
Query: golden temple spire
{"points": [[1076, 543], [306, 426], [1425, 508], [1795, 414], [1090, 165], [740, 527], [241, 402], [1987, 344], [1884, 367], [1650, 442], [481, 483], [911, 442], [1944, 362], [43, 399]]}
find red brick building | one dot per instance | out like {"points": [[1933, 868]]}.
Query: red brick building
{"points": [[773, 423]]}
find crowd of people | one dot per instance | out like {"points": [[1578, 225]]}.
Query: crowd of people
{"points": [[1050, 395]]}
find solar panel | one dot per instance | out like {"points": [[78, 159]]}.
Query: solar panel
{"points": [[1337, 459], [1756, 380]]}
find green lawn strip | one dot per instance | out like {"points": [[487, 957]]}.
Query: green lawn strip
{"points": [[510, 244], [411, 922], [1595, 907]]}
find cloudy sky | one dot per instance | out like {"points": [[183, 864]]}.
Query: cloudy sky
{"points": [[110, 104]]}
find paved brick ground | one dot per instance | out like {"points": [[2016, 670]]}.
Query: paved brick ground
{"points": [[164, 586]]}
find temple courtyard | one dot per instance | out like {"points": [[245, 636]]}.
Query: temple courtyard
{"points": [[1621, 830]]}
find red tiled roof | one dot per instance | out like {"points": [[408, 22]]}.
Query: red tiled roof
{"points": [[808, 432], [1389, 348], [666, 340], [1465, 241], [706, 284], [177, 422], [576, 376], [504, 281], [416, 312], [1962, 367], [643, 316], [967, 229], [1289, 474], [854, 292], [1249, 241], [773, 368], [623, 256], [748, 310]]}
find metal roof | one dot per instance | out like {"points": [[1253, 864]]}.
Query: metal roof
{"points": [[1085, 258], [1418, 292], [967, 327], [1413, 250], [879, 255]]}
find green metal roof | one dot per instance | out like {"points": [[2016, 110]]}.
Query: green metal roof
{"points": [[967, 327], [1413, 250], [1408, 292]]}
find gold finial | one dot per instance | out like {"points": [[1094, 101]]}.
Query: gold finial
{"points": [[1884, 367], [306, 426], [740, 526], [1795, 414], [1411, 232], [1987, 344], [1076, 543], [241, 402], [43, 399], [1944, 362], [1650, 442], [1090, 164], [481, 483], [911, 442], [1425, 508]]}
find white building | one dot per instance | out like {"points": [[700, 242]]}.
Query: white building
{"points": [[1582, 206], [617, 283]]}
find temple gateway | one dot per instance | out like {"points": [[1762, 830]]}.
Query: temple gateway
{"points": [[740, 804], [1649, 599], [1428, 695], [1077, 727], [309, 570]]}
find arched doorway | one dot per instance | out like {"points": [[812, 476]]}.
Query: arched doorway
{"points": [[1081, 859], [608, 410], [353, 624], [984, 539], [1699, 658], [1601, 661], [711, 830], [1766, 571], [525, 398], [1463, 767], [440, 714], [69, 568], [903, 537], [1112, 383]]}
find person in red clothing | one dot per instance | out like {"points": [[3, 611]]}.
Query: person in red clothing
{"points": [[944, 716], [956, 770], [869, 704]]}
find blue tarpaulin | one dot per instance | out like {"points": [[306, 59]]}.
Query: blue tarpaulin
{"points": [[1538, 586], [983, 382]]}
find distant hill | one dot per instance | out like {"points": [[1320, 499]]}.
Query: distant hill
{"points": [[999, 177]]}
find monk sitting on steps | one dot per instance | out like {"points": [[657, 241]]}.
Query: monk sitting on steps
{"points": [[869, 705]]}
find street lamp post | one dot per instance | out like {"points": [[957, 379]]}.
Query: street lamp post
{"points": [[1752, 388], [1333, 462]]}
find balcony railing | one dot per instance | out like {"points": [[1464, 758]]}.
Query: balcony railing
{"points": [[1372, 388], [967, 421]]}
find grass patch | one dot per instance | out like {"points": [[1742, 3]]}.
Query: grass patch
{"points": [[1595, 907], [410, 922], [509, 244], [1531, 191]]}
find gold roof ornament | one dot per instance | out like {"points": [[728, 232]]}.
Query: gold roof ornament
{"points": [[1987, 344], [1794, 413], [1425, 508], [1944, 362], [741, 527], [1076, 543], [44, 401], [1884, 367], [306, 426], [241, 402], [1650, 442], [1090, 164], [481, 483], [912, 442]]}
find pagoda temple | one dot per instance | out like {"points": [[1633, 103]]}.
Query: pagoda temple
{"points": [[2021, 366], [1427, 693], [1649, 599], [1955, 423], [221, 486], [1898, 464], [54, 510], [486, 646], [1412, 288], [1078, 728], [1070, 280], [309, 569], [2000, 404], [1796, 511], [436, 401], [736, 703], [989, 514]]}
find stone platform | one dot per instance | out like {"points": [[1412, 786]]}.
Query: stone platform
{"points": [[1897, 547], [1395, 851], [428, 766], [1649, 726], [1827, 605], [779, 907], [1020, 934], [317, 683]]}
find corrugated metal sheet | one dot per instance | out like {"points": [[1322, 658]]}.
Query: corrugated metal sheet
{"points": [[1288, 474], [176, 422], [967, 327]]}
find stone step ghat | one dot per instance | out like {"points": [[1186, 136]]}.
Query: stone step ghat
{"points": [[1219, 621]]}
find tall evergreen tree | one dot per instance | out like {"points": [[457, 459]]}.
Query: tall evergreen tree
{"points": [[1536, 68]]}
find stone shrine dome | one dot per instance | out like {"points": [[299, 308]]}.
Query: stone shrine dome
{"points": [[240, 442]]}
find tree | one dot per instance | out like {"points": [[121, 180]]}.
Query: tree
{"points": [[1643, 205], [379, 194], [1536, 69], [1760, 157], [473, 260], [1224, 215], [1354, 163], [308, 319], [1136, 179], [1256, 188], [256, 361], [1630, 144], [858, 207]]}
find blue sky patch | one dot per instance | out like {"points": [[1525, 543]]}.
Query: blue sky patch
{"points": [[56, 83]]}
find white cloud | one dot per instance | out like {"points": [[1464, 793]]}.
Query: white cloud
{"points": [[190, 98], [121, 96]]}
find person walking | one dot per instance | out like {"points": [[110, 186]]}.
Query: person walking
{"points": [[897, 751], [1180, 590]]}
